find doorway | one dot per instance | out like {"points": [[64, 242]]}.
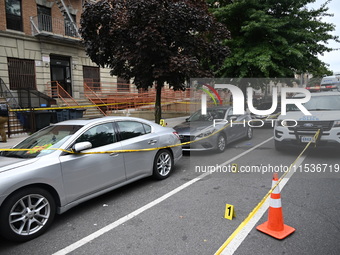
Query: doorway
{"points": [[61, 73]]}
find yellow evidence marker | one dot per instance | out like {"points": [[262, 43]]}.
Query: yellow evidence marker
{"points": [[229, 212], [234, 168], [162, 122]]}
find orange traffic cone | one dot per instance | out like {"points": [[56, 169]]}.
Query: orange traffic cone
{"points": [[275, 226]]}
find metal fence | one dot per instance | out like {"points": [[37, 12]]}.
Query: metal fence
{"points": [[45, 24]]}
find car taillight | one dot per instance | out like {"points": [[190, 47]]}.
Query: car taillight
{"points": [[176, 134]]}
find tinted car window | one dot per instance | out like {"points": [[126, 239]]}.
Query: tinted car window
{"points": [[99, 135], [268, 105], [130, 129], [147, 128], [210, 116]]}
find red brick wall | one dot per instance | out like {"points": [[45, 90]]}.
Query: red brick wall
{"points": [[29, 8], [2, 15], [77, 4]]}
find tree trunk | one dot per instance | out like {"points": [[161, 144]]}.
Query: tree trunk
{"points": [[158, 107]]}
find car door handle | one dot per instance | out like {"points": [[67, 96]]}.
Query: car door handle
{"points": [[152, 142], [114, 154]]}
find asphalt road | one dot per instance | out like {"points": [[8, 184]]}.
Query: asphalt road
{"points": [[191, 221]]}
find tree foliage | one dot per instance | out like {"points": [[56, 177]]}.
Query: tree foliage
{"points": [[154, 41], [274, 38]]}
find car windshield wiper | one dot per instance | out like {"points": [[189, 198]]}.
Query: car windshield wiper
{"points": [[12, 156]]}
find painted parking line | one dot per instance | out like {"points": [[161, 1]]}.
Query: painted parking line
{"points": [[135, 213], [245, 227], [235, 240]]}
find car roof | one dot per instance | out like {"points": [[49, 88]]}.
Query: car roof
{"points": [[328, 93], [316, 94], [84, 121], [224, 107]]}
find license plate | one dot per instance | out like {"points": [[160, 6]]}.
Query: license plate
{"points": [[307, 139]]}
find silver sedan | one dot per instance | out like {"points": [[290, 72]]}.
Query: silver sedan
{"points": [[73, 161], [213, 130]]}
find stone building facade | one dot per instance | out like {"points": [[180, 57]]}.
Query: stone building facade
{"points": [[39, 44]]}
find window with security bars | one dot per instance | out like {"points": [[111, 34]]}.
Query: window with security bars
{"points": [[91, 75], [21, 73], [123, 85], [44, 18], [69, 25]]}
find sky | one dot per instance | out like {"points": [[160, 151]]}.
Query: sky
{"points": [[332, 58]]}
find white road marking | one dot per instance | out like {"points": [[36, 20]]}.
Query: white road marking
{"points": [[124, 219], [239, 238]]}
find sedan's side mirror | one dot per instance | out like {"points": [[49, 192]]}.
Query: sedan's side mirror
{"points": [[78, 147], [187, 119]]}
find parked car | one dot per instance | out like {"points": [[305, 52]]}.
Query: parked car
{"points": [[198, 126], [296, 129], [48, 178], [266, 120]]}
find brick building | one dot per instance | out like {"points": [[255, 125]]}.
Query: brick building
{"points": [[40, 45]]}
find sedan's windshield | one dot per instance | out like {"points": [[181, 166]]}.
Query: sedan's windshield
{"points": [[210, 116], [47, 138], [319, 103]]}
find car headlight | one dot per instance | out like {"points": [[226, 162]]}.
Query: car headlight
{"points": [[282, 123], [205, 134], [260, 116], [336, 123], [286, 123]]}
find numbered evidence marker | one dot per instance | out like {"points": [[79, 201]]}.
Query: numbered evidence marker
{"points": [[234, 168], [162, 122], [229, 212]]}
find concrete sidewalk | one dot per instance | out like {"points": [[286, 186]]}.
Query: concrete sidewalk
{"points": [[15, 139], [175, 121]]}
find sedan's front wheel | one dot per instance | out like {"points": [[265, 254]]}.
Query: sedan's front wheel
{"points": [[26, 214], [249, 134], [278, 146], [163, 164], [221, 143]]}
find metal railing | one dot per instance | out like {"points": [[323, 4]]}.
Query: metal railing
{"points": [[119, 98], [13, 124], [47, 25], [6, 93], [55, 90], [64, 9], [94, 99]]}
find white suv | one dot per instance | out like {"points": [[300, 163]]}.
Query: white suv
{"points": [[325, 110]]}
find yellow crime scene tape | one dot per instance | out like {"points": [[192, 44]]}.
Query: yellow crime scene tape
{"points": [[251, 214], [121, 151], [93, 105], [254, 211]]}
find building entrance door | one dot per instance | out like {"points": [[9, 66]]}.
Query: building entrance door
{"points": [[61, 73]]}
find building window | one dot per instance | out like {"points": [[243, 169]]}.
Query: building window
{"points": [[44, 18], [69, 25], [123, 85], [91, 75], [21, 73], [14, 15]]}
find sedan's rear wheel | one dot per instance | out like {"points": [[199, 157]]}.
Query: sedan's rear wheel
{"points": [[26, 214], [163, 164]]}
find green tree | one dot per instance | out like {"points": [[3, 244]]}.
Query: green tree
{"points": [[274, 38], [154, 41]]}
